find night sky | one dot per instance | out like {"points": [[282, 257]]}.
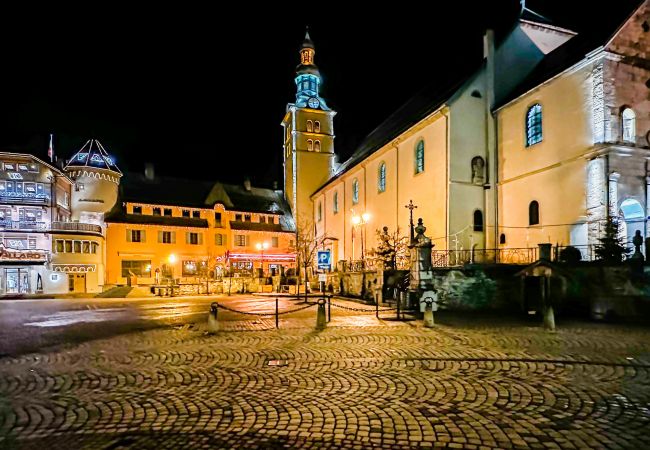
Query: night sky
{"points": [[201, 92]]}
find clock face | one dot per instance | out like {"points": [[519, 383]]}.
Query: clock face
{"points": [[313, 102]]}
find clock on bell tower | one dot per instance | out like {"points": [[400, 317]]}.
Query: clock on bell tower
{"points": [[308, 137]]}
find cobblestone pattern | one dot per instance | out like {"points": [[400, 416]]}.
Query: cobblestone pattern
{"points": [[398, 386]]}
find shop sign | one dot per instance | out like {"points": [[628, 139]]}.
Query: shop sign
{"points": [[21, 255]]}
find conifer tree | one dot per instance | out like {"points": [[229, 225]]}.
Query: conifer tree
{"points": [[611, 247]]}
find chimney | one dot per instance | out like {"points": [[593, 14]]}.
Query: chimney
{"points": [[149, 172], [247, 184]]}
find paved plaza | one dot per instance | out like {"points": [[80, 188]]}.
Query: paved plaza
{"points": [[361, 383]]}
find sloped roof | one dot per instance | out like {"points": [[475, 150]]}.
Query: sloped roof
{"points": [[92, 155], [425, 102], [171, 191], [567, 55]]}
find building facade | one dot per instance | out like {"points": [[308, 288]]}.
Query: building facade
{"points": [[438, 151], [543, 142], [201, 230], [580, 126], [34, 201]]}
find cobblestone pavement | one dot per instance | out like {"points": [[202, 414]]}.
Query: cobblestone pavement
{"points": [[361, 383]]}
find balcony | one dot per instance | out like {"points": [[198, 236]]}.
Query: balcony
{"points": [[76, 227], [25, 225], [24, 198]]}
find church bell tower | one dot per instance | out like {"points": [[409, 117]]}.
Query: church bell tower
{"points": [[308, 137]]}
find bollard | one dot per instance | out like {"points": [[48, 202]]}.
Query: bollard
{"points": [[213, 323], [320, 315], [428, 313]]}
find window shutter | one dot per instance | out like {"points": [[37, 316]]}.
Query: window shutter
{"points": [[223, 239], [247, 240], [187, 237], [128, 235], [200, 238], [173, 237], [160, 237], [143, 236]]}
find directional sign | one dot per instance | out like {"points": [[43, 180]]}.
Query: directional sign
{"points": [[324, 259]]}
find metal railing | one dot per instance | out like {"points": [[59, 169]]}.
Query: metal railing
{"points": [[76, 226], [454, 258]]}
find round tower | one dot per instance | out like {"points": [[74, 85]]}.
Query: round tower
{"points": [[97, 180]]}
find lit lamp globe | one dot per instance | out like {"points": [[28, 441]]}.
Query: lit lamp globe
{"points": [[356, 220], [172, 259], [365, 217]]}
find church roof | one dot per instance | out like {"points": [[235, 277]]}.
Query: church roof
{"points": [[425, 102], [171, 191], [92, 155], [567, 55]]}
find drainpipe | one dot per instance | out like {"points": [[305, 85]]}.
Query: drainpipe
{"points": [[491, 151]]}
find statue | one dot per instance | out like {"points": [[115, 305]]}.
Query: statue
{"points": [[478, 170], [637, 240]]}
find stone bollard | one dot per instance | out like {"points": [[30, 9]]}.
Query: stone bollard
{"points": [[428, 315], [321, 320], [213, 323], [549, 319]]}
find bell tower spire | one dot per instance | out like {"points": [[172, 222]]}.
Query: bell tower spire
{"points": [[309, 158], [308, 79]]}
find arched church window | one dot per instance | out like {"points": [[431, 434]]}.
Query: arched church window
{"points": [[533, 213], [310, 126], [381, 177], [628, 122], [320, 211], [502, 238], [316, 126], [355, 191], [335, 207], [534, 125], [419, 157], [478, 170], [310, 145], [317, 145], [478, 220]]}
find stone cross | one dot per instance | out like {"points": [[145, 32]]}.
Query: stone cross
{"points": [[411, 207]]}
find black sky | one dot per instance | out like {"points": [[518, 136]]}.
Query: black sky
{"points": [[201, 92]]}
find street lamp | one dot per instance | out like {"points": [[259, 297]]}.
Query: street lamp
{"points": [[261, 246], [171, 259], [360, 221]]}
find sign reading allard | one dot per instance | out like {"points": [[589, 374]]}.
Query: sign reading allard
{"points": [[7, 254]]}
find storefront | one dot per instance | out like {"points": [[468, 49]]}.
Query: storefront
{"points": [[22, 271]]}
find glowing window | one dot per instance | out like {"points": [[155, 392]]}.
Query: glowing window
{"points": [[534, 125], [355, 191], [381, 178], [419, 157]]}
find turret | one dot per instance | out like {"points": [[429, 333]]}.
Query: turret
{"points": [[97, 179]]}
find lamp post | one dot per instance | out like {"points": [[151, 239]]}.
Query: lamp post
{"points": [[171, 259], [261, 246], [360, 221]]}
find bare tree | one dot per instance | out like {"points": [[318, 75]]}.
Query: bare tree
{"points": [[307, 244], [392, 249]]}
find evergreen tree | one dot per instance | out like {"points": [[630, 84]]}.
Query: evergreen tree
{"points": [[611, 247]]}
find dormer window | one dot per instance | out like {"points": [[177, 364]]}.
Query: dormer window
{"points": [[316, 126], [310, 126], [310, 145], [317, 146]]}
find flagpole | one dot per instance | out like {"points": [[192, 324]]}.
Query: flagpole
{"points": [[50, 149]]}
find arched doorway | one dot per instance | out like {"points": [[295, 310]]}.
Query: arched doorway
{"points": [[634, 216]]}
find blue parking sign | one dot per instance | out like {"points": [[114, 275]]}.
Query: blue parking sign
{"points": [[324, 259]]}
